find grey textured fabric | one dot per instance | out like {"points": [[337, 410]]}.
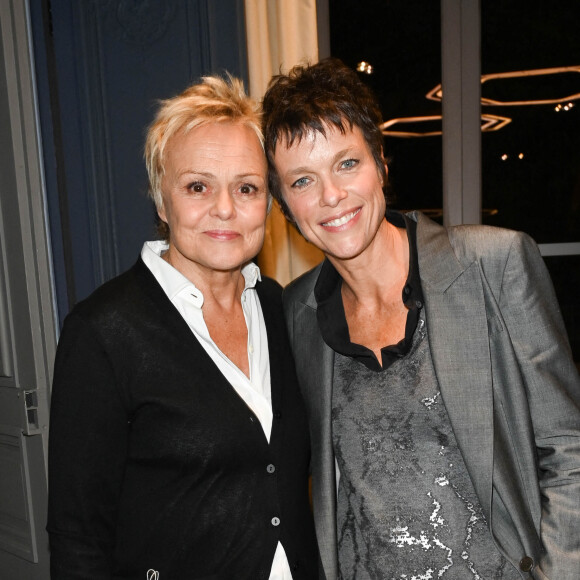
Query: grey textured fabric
{"points": [[406, 506], [507, 380]]}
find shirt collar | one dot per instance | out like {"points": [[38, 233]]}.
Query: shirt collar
{"points": [[175, 283]]}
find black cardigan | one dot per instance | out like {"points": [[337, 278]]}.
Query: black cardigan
{"points": [[156, 463]]}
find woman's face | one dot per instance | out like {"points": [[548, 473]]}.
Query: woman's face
{"points": [[214, 198], [333, 189]]}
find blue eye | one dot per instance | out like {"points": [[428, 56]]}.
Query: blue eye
{"points": [[349, 163], [302, 182]]}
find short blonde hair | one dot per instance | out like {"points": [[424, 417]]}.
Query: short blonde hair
{"points": [[213, 100]]}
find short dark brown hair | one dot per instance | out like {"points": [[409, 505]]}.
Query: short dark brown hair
{"points": [[311, 97]]}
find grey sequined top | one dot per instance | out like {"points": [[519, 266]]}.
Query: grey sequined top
{"points": [[406, 505]]}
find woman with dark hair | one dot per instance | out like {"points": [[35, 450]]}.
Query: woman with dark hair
{"points": [[178, 442], [443, 401]]}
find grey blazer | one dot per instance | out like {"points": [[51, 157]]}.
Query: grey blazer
{"points": [[507, 379]]}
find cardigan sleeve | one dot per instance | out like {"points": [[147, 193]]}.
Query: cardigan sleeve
{"points": [[87, 454], [532, 314]]}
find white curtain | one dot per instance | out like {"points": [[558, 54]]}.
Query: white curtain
{"points": [[281, 33]]}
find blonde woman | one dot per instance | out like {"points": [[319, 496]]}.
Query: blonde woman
{"points": [[179, 447]]}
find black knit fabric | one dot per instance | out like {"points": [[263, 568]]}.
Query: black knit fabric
{"points": [[155, 461]]}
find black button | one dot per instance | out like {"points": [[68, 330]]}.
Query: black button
{"points": [[526, 564], [295, 566], [418, 304], [277, 414], [406, 290]]}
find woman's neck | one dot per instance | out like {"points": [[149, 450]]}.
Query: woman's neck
{"points": [[381, 269], [223, 288]]}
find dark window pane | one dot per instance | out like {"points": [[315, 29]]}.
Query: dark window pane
{"points": [[565, 273], [531, 167]]}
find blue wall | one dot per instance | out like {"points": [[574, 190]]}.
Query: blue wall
{"points": [[102, 65]]}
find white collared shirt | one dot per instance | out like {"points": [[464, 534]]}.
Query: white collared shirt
{"points": [[254, 391]]}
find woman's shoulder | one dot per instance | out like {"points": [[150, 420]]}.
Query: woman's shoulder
{"points": [[303, 286], [472, 241], [488, 242], [270, 284], [269, 290], [125, 293]]}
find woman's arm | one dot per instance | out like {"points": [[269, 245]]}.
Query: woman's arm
{"points": [[532, 314], [87, 453]]}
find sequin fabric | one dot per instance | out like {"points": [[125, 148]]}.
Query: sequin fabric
{"points": [[406, 506]]}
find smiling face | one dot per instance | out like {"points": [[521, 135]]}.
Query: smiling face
{"points": [[214, 198], [333, 189]]}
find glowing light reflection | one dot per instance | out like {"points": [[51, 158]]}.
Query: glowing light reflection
{"points": [[365, 67], [489, 123], [436, 93]]}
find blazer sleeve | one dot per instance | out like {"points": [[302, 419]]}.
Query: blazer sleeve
{"points": [[531, 312], [87, 455]]}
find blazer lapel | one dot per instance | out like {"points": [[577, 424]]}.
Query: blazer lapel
{"points": [[316, 382], [459, 343]]}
